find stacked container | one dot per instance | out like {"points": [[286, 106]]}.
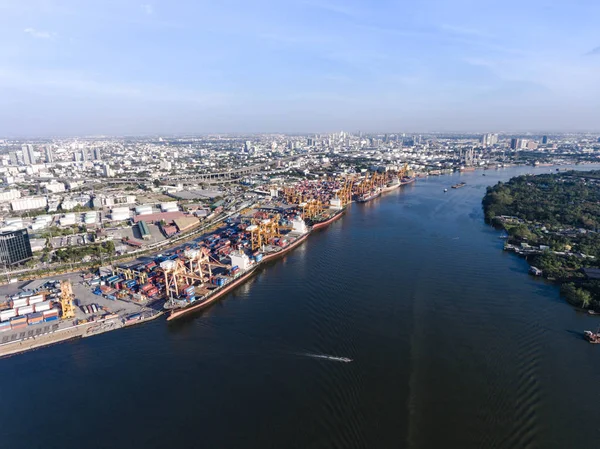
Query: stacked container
{"points": [[24, 310], [5, 326], [35, 318], [6, 315], [18, 322], [50, 315], [42, 306]]}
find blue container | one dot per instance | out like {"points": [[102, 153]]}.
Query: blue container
{"points": [[220, 282], [111, 297], [97, 292], [51, 318], [192, 298], [258, 257]]}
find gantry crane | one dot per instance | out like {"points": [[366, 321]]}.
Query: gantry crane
{"points": [[263, 230], [130, 273], [66, 300]]}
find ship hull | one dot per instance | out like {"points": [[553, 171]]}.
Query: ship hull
{"points": [[329, 221], [368, 198]]}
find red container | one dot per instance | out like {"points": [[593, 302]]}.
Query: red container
{"points": [[19, 326]]}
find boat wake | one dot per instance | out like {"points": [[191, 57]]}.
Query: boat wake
{"points": [[326, 357]]}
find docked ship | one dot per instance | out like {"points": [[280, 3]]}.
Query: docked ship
{"points": [[245, 267], [393, 184], [368, 196], [407, 180]]}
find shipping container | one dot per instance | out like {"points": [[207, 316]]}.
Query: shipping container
{"points": [[5, 326], [6, 315], [42, 306], [111, 297], [15, 326], [51, 318], [51, 312], [21, 302], [24, 310], [35, 299]]}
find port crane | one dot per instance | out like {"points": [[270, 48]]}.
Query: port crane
{"points": [[130, 273], [261, 231], [66, 300]]}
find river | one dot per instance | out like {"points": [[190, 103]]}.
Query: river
{"points": [[453, 345]]}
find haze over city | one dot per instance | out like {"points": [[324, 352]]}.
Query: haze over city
{"points": [[139, 67]]}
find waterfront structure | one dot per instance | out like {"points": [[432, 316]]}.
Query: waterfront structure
{"points": [[14, 247]]}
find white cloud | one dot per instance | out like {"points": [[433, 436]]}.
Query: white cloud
{"points": [[39, 34], [148, 8]]}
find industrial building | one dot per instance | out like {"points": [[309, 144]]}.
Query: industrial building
{"points": [[14, 247]]}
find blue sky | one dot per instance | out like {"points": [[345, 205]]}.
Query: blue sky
{"points": [[156, 67]]}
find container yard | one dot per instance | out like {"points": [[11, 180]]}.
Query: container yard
{"points": [[184, 279]]}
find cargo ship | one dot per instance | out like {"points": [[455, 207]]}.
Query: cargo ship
{"points": [[407, 180], [365, 197], [179, 308], [327, 219], [392, 185]]}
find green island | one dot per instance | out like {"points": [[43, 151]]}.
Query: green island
{"points": [[553, 220]]}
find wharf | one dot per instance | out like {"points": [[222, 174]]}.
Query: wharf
{"points": [[50, 334]]}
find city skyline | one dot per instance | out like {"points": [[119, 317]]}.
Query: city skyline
{"points": [[134, 68]]}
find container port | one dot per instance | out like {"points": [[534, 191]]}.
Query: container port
{"points": [[186, 278]]}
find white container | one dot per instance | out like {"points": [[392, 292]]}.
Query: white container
{"points": [[42, 306], [6, 315], [20, 302], [35, 299], [24, 310], [50, 312]]}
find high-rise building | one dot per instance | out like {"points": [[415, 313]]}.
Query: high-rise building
{"points": [[13, 158], [97, 154], [544, 140], [28, 154], [515, 143], [14, 247], [49, 155], [247, 145], [108, 172], [84, 154], [489, 140], [310, 142]]}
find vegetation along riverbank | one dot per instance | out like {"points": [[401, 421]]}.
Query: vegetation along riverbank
{"points": [[553, 220]]}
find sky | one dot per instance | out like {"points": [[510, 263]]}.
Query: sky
{"points": [[121, 67]]}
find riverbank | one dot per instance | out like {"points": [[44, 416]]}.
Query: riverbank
{"points": [[552, 221]]}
